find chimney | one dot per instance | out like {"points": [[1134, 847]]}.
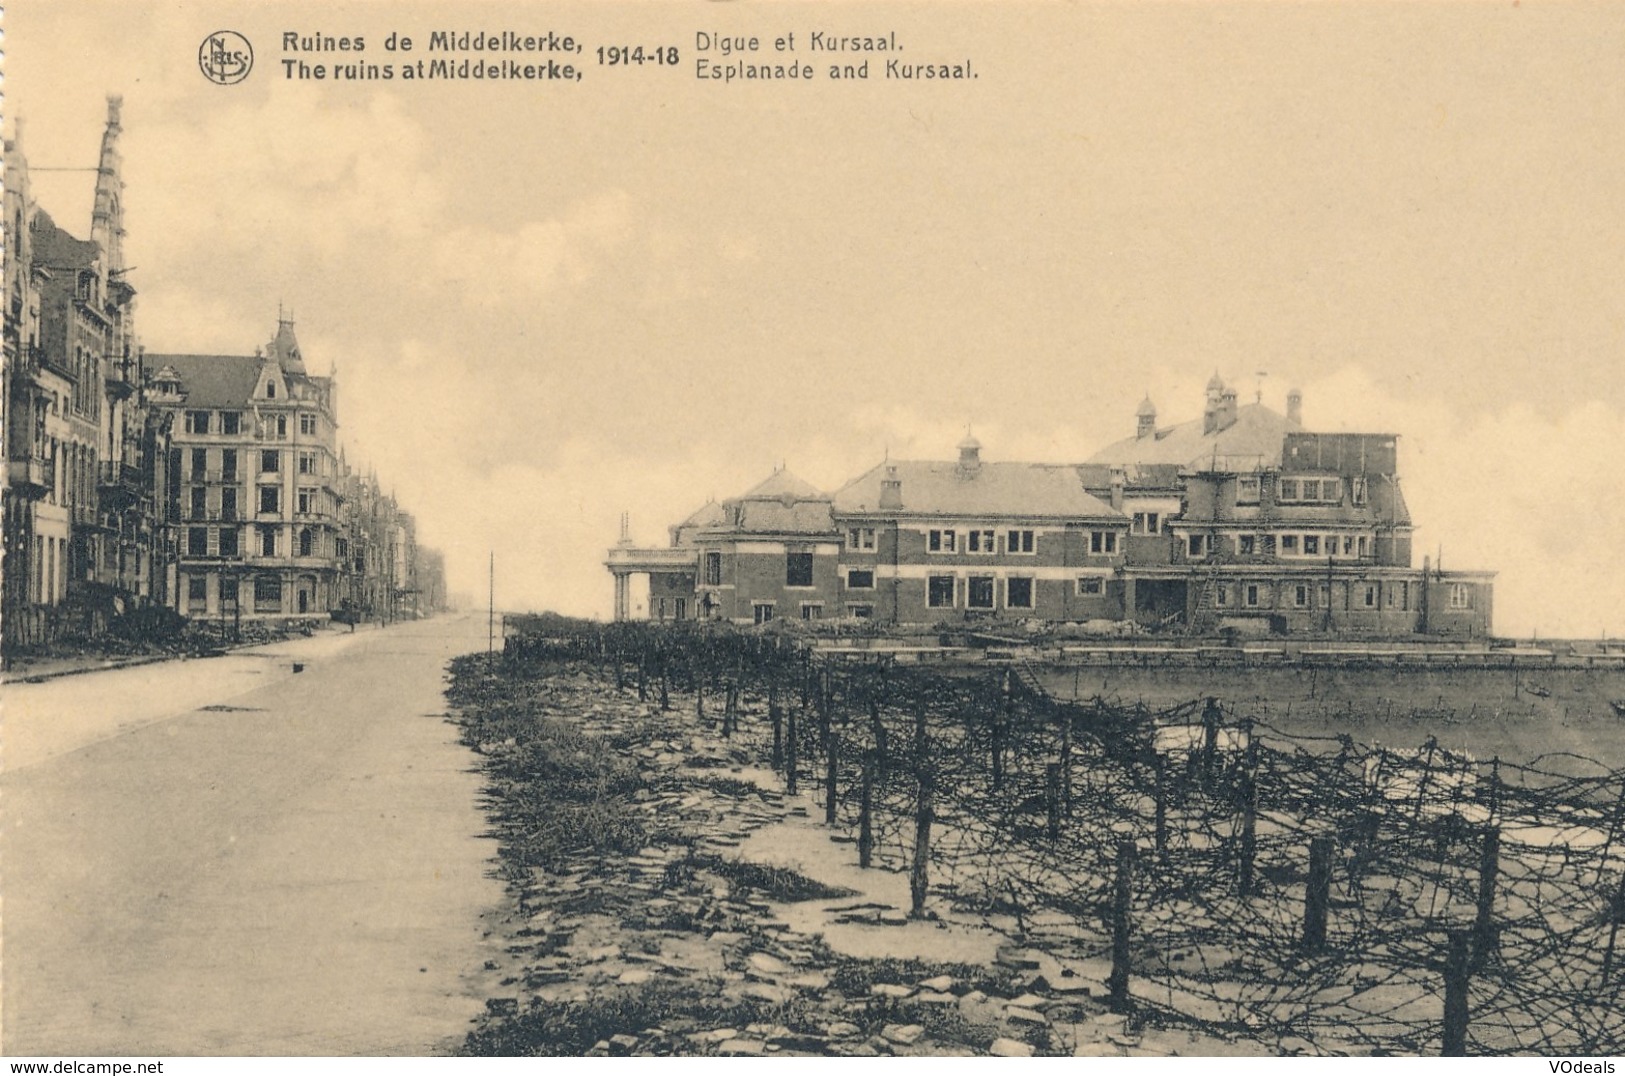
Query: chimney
{"points": [[1119, 479], [1294, 407], [1227, 409], [1145, 419], [970, 456], [1215, 394], [891, 490]]}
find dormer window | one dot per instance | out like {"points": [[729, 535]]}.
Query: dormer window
{"points": [[270, 390]]}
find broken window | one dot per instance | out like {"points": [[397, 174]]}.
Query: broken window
{"points": [[1311, 545], [940, 541], [1018, 592], [940, 592], [1091, 584], [798, 569], [267, 594], [1246, 545], [979, 592]]}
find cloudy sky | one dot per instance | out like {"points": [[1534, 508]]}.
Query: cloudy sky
{"points": [[549, 304]]}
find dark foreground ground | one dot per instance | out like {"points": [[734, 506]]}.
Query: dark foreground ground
{"points": [[668, 898]]}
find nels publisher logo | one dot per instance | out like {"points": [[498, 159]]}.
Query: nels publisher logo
{"points": [[226, 57]]}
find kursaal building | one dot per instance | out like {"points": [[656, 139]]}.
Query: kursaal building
{"points": [[1240, 521]]}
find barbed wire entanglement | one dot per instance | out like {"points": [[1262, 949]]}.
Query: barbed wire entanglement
{"points": [[1193, 864]]}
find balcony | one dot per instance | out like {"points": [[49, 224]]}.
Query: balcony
{"points": [[32, 477], [121, 485]]}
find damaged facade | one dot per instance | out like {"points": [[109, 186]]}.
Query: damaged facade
{"points": [[1240, 521], [210, 486]]}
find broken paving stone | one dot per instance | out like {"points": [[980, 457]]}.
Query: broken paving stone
{"points": [[842, 1029], [721, 1034], [1015, 957], [1010, 1048], [812, 980], [768, 992], [741, 1046], [903, 1034], [941, 983], [1030, 1001], [1025, 1016], [896, 991], [935, 997], [622, 1045], [635, 976], [767, 964]]}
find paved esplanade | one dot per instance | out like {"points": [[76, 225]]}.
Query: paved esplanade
{"points": [[219, 856]]}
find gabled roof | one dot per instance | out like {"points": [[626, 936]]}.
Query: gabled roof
{"points": [[1252, 441], [991, 490], [213, 380], [781, 483]]}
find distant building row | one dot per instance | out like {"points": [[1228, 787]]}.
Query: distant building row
{"points": [[207, 485], [1240, 520]]}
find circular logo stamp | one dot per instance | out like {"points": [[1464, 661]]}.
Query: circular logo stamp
{"points": [[225, 57]]}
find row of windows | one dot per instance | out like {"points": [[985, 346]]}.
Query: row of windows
{"points": [[980, 592], [225, 542], [1300, 490], [984, 541], [267, 594], [308, 500], [270, 463], [1367, 595], [230, 423], [1289, 545], [762, 612]]}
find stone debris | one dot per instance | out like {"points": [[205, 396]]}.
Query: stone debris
{"points": [[674, 915], [1010, 1048]]}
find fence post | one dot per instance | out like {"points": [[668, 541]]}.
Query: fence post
{"points": [[1117, 983], [665, 686], [776, 715], [620, 670], [919, 876], [699, 698], [1455, 996], [1318, 897], [866, 797], [1211, 717], [1066, 760], [997, 737], [1162, 805], [1052, 797], [1489, 866], [1249, 832], [790, 753], [643, 678], [830, 771]]}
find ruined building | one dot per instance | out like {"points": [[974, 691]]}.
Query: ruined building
{"points": [[1238, 521]]}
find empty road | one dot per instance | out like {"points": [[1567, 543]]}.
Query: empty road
{"points": [[221, 856]]}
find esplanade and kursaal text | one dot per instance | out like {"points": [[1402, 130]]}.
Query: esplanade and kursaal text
{"points": [[743, 57]]}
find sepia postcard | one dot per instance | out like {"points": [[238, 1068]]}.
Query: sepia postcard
{"points": [[812, 529]]}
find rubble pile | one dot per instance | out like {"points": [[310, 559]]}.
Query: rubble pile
{"points": [[637, 929]]}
